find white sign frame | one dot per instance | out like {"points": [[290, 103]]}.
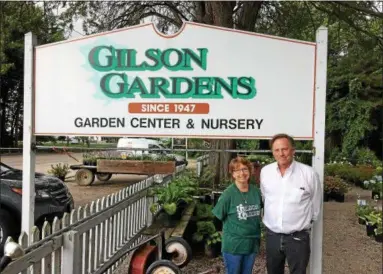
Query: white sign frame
{"points": [[318, 137], [282, 104]]}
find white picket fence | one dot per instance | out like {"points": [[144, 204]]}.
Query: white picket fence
{"points": [[93, 238]]}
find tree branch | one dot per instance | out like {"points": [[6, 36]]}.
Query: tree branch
{"points": [[347, 20], [167, 18], [176, 12], [354, 6], [311, 18]]}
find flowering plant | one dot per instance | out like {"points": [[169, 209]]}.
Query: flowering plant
{"points": [[335, 184], [375, 184]]}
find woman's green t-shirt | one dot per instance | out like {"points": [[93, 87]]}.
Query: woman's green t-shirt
{"points": [[241, 217]]}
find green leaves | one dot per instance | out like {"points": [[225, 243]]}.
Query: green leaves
{"points": [[207, 232], [170, 208], [351, 117], [204, 211], [17, 19], [181, 188]]}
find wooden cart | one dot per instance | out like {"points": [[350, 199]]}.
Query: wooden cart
{"points": [[104, 169]]}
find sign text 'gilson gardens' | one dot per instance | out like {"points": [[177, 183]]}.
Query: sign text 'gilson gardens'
{"points": [[116, 63]]}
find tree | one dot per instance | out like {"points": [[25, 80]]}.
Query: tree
{"points": [[18, 18]]}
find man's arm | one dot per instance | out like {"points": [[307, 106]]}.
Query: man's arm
{"points": [[316, 196]]}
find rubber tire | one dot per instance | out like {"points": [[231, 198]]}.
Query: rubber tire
{"points": [[88, 174], [164, 263], [9, 227], [185, 244], [103, 177]]}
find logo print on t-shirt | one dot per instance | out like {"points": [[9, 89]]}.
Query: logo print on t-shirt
{"points": [[242, 215], [247, 211]]}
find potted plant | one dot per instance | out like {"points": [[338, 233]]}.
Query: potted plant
{"points": [[362, 211], [378, 232], [204, 212], [209, 236], [336, 188], [173, 198], [375, 184], [377, 188], [372, 219], [59, 170]]}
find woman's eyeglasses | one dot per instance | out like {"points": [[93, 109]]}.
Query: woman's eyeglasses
{"points": [[242, 170]]}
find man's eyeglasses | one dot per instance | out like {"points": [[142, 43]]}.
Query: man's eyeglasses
{"points": [[243, 170]]}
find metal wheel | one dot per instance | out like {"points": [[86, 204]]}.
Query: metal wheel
{"points": [[163, 267], [180, 250], [103, 176], [84, 177]]}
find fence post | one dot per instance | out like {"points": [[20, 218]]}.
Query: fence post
{"points": [[149, 202], [72, 253]]}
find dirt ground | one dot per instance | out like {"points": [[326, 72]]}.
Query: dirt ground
{"points": [[81, 194], [346, 248]]}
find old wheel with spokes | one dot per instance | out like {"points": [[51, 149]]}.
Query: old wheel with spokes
{"points": [[84, 177], [163, 267]]}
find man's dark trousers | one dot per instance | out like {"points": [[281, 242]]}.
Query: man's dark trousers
{"points": [[294, 247]]}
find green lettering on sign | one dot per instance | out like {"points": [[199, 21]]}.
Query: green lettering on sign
{"points": [[118, 62]]}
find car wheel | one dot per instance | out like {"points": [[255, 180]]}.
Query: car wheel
{"points": [[103, 176], [7, 228], [163, 267], [179, 250], [84, 177]]}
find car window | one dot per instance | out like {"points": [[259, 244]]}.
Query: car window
{"points": [[4, 168], [156, 147]]}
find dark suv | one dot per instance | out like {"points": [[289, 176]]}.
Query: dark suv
{"points": [[52, 199]]}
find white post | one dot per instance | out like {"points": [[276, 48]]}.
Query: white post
{"points": [[28, 198], [319, 136]]}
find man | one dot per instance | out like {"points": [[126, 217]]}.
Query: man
{"points": [[292, 199]]}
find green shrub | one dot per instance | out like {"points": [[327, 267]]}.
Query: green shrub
{"points": [[365, 156], [59, 170], [335, 184], [204, 211], [351, 174]]}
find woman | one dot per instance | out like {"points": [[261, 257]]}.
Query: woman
{"points": [[239, 209]]}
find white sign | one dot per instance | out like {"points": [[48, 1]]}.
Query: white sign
{"points": [[204, 81]]}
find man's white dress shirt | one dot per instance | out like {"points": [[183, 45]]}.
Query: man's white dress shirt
{"points": [[291, 201]]}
